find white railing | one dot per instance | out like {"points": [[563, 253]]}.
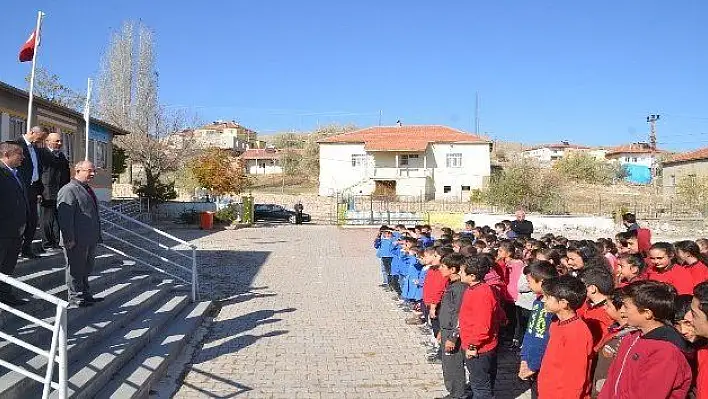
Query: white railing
{"points": [[150, 244], [57, 350], [393, 173]]}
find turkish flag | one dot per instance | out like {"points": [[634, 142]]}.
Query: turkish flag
{"points": [[27, 50]]}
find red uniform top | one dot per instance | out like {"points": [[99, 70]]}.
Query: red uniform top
{"points": [[652, 365], [676, 275], [702, 378], [434, 286], [643, 240], [500, 267], [565, 369], [597, 320], [479, 318], [698, 271]]}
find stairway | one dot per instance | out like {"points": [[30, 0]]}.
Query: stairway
{"points": [[117, 348]]}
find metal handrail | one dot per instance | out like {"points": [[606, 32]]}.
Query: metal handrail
{"points": [[58, 348], [110, 212]]}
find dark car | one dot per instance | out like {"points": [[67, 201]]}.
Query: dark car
{"points": [[272, 212]]}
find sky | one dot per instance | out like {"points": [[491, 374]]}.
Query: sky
{"points": [[589, 72]]}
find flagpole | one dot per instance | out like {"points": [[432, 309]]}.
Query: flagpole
{"points": [[87, 117], [34, 64]]}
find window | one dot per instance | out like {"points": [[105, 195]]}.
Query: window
{"points": [[100, 155], [18, 126], [358, 160], [454, 160], [465, 188], [405, 159], [447, 189], [634, 159]]}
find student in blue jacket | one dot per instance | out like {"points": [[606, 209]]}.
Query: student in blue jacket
{"points": [[536, 335], [397, 263], [384, 245], [413, 288]]}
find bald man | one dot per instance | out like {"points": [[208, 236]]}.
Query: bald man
{"points": [[56, 172], [80, 227], [30, 173]]}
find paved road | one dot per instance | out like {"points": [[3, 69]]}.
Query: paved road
{"points": [[303, 317]]}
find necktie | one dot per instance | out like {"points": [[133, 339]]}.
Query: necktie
{"points": [[92, 194], [17, 179]]}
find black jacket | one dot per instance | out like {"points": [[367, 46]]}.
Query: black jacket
{"points": [[523, 228], [25, 170], [55, 173], [13, 205], [449, 311]]}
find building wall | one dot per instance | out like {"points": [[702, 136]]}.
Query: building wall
{"points": [[633, 159], [336, 170], [541, 154], [673, 173], [263, 167], [473, 174]]}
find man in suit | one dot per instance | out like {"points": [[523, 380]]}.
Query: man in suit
{"points": [[522, 227], [30, 172], [80, 227], [56, 172], [13, 215]]}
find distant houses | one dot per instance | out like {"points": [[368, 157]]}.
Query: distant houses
{"points": [[685, 165], [548, 154]]}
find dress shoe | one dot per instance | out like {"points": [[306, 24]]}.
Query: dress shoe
{"points": [[13, 300]]}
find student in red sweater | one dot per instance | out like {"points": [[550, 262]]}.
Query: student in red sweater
{"points": [[480, 315], [631, 268], [698, 317], [650, 362], [663, 268], [690, 256], [565, 370], [600, 284]]}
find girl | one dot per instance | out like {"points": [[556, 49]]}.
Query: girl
{"points": [[585, 256], [630, 268], [663, 268], [703, 245], [609, 250], [508, 254], [689, 255]]}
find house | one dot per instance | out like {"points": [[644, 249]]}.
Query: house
{"points": [[680, 166], [72, 127], [424, 161], [638, 159], [263, 161], [225, 135], [547, 154]]}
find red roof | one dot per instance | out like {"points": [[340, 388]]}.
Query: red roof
{"points": [[267, 153], [697, 155], [634, 148], [404, 138]]}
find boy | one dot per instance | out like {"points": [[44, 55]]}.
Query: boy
{"points": [[453, 362], [469, 226], [565, 370], [433, 290], [480, 315], [536, 335], [384, 245], [599, 283], [650, 362], [607, 349], [698, 317]]}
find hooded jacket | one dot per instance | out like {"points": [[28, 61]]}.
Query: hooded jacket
{"points": [[651, 365]]}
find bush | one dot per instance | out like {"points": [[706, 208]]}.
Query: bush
{"points": [[525, 184], [584, 168], [227, 214]]}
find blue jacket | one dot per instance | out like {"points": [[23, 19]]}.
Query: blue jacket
{"points": [[384, 247], [396, 262], [536, 336], [411, 284], [425, 242]]}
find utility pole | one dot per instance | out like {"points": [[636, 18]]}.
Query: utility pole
{"points": [[651, 119], [476, 112]]}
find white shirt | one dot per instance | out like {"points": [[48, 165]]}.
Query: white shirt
{"points": [[33, 156]]}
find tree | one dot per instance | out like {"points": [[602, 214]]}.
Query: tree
{"points": [[524, 184], [49, 87], [220, 172], [289, 140], [119, 164], [583, 167], [127, 96], [290, 161]]}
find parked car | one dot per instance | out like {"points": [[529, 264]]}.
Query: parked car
{"points": [[273, 212]]}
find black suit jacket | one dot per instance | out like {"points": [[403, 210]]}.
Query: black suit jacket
{"points": [[25, 170], [13, 205], [55, 173], [522, 228]]}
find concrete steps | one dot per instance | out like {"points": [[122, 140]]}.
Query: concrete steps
{"points": [[120, 347]]}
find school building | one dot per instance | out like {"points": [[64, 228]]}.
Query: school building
{"points": [[423, 161], [69, 123]]}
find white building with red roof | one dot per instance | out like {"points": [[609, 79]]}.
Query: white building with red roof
{"points": [[263, 161], [549, 153], [428, 161]]}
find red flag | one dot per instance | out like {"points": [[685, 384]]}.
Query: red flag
{"points": [[27, 50]]}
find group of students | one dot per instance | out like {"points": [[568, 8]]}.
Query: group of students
{"points": [[609, 318]]}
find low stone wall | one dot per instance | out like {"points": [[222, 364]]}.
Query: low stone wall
{"points": [[172, 209], [321, 209]]}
